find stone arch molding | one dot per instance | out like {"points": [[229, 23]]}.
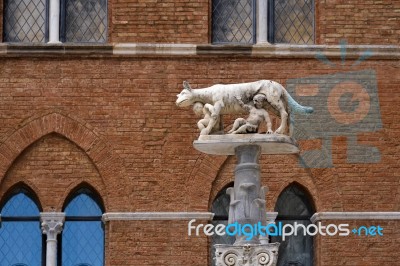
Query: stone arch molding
{"points": [[99, 152], [199, 183]]}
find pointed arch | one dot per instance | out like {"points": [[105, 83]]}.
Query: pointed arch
{"points": [[106, 161], [20, 236], [83, 237], [85, 188], [199, 182], [19, 187], [295, 206], [310, 193]]}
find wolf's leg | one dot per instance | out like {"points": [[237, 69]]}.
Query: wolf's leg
{"points": [[284, 116]]}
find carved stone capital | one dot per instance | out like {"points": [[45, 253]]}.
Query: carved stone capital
{"points": [[52, 224], [247, 255]]}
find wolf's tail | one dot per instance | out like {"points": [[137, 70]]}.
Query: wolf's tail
{"points": [[295, 107]]}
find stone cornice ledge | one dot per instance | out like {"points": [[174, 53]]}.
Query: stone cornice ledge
{"points": [[319, 216], [387, 52], [156, 216], [28, 49], [153, 49]]}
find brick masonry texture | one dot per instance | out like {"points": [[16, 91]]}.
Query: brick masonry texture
{"points": [[169, 21], [112, 123], [359, 22]]}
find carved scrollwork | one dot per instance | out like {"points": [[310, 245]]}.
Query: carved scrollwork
{"points": [[264, 259], [230, 259]]}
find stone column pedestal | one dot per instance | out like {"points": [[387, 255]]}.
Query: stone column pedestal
{"points": [[247, 197]]}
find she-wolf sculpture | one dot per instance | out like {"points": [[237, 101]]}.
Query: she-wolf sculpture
{"points": [[224, 99]]}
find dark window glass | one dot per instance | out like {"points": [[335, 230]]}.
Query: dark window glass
{"points": [[20, 234], [83, 234], [292, 21], [220, 208], [24, 21], [233, 21], [85, 21], [293, 205]]}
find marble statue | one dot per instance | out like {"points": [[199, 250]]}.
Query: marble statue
{"points": [[256, 115], [206, 110], [224, 100]]}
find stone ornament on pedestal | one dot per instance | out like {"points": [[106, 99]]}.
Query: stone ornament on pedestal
{"points": [[247, 197], [251, 255]]}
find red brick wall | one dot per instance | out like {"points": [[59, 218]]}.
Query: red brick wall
{"points": [[154, 243], [134, 113], [54, 166], [124, 135], [357, 21], [360, 250], [151, 21]]}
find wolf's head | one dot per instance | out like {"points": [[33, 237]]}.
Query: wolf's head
{"points": [[185, 98]]}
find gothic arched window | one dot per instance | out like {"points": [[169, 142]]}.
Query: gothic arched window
{"points": [[21, 239], [82, 238], [294, 205]]}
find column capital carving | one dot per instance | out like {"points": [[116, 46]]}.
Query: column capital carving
{"points": [[52, 224], [254, 255]]}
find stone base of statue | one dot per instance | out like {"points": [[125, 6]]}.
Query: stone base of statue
{"points": [[249, 255], [247, 198], [226, 144]]}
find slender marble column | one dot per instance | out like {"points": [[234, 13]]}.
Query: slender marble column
{"points": [[54, 23], [52, 225], [262, 21]]}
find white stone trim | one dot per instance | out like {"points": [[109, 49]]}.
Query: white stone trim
{"points": [[54, 21], [165, 216], [355, 216], [155, 216], [153, 49], [262, 22]]}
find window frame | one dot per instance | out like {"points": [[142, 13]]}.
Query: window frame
{"points": [[63, 26], [98, 200], [271, 24], [307, 200], [17, 189], [46, 27], [253, 26]]}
